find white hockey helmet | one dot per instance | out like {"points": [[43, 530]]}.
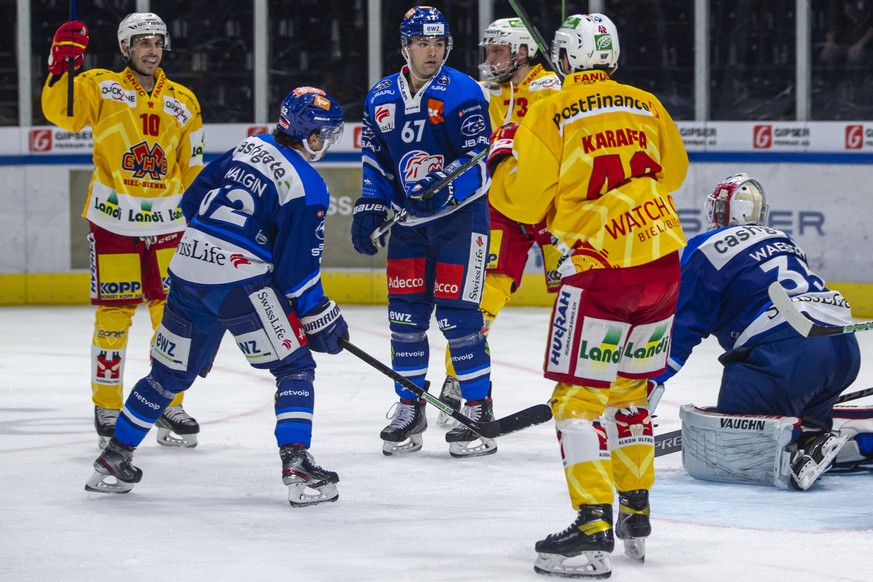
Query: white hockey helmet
{"points": [[736, 201], [141, 23], [590, 41], [509, 32]]}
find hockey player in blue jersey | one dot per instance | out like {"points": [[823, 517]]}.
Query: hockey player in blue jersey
{"points": [[249, 263], [769, 369], [419, 125]]}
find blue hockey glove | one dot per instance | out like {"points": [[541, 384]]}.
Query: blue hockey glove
{"points": [[324, 326], [421, 206], [368, 215]]}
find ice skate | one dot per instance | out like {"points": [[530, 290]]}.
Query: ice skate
{"points": [[113, 470], [633, 526], [403, 433], [814, 459], [451, 395], [176, 428], [582, 550], [104, 422], [463, 442], [308, 484]]}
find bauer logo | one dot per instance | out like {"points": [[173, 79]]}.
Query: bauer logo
{"points": [[762, 136], [40, 140], [854, 137], [384, 116]]}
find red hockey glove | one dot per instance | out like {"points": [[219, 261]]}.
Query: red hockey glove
{"points": [[70, 40], [501, 146]]}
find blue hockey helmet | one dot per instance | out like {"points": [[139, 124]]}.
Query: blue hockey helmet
{"points": [[306, 110], [425, 22]]}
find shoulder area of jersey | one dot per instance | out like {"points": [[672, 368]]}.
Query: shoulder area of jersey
{"points": [[385, 87], [726, 238], [548, 81]]}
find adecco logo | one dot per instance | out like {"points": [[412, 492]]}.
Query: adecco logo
{"points": [[762, 136], [854, 137], [356, 137], [257, 130], [40, 140]]}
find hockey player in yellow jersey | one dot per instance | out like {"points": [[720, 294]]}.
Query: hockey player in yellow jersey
{"points": [[515, 81], [598, 161], [148, 147]]}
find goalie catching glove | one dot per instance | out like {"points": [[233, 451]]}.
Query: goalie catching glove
{"points": [[324, 326], [501, 146], [421, 203], [70, 41]]}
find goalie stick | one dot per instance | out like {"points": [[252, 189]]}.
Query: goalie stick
{"points": [[671, 442], [401, 216], [800, 322], [522, 419]]}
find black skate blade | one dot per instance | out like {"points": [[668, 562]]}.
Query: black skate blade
{"points": [[520, 420]]}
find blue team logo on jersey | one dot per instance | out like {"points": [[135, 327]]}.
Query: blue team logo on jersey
{"points": [[417, 164], [473, 125]]}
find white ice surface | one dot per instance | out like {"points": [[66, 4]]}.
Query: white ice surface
{"points": [[220, 513]]}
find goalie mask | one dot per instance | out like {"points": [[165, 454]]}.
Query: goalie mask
{"points": [[306, 110], [141, 23], [589, 41], [424, 22], [736, 201], [509, 32]]}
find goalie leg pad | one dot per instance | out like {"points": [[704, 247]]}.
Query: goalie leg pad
{"points": [[734, 448]]}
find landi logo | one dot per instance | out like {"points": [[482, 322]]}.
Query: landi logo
{"points": [[762, 136], [40, 140], [257, 130], [854, 137]]}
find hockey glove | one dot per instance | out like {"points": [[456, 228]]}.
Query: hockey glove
{"points": [[70, 41], [655, 390], [501, 146], [368, 215], [324, 326], [421, 202]]}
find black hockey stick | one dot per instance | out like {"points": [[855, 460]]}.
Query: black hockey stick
{"points": [[800, 322], [671, 442], [71, 73], [401, 216], [522, 419], [538, 38]]}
